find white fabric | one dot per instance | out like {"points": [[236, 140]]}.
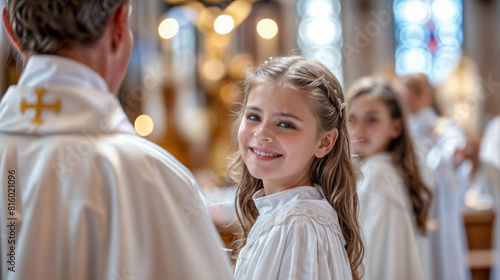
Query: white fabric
{"points": [[93, 199], [487, 180], [296, 236], [490, 145], [387, 222], [423, 123], [435, 140]]}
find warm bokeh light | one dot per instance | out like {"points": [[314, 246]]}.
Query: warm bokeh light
{"points": [[223, 24], [239, 64], [227, 93], [143, 125], [267, 28], [168, 28], [239, 10], [213, 69]]}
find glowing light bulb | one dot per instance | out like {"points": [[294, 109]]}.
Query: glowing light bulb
{"points": [[168, 28], [143, 125], [267, 28], [223, 24]]}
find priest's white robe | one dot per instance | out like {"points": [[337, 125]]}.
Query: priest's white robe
{"points": [[443, 252], [387, 222], [296, 236], [92, 199]]}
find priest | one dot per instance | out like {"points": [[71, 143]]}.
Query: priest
{"points": [[82, 196]]}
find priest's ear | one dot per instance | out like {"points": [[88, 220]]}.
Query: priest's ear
{"points": [[119, 22], [8, 28]]}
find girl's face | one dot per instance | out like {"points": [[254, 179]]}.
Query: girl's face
{"points": [[371, 126], [278, 137]]}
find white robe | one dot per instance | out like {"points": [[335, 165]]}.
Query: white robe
{"points": [[387, 222], [443, 253], [92, 199], [296, 236], [490, 145], [487, 180]]}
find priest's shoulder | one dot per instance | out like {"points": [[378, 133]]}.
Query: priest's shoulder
{"points": [[140, 156]]}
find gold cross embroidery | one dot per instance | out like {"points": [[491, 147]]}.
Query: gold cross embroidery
{"points": [[39, 106]]}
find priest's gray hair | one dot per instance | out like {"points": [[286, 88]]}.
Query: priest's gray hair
{"points": [[46, 26]]}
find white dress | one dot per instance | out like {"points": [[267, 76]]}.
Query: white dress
{"points": [[296, 236], [92, 199], [435, 140], [387, 222]]}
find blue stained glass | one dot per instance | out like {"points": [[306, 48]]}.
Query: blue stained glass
{"points": [[413, 35], [449, 34], [429, 37]]}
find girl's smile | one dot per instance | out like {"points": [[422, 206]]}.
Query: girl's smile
{"points": [[264, 154]]}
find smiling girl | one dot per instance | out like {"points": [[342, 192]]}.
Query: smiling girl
{"points": [[296, 182], [394, 201]]}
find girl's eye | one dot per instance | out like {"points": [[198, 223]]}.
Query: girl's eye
{"points": [[253, 117], [286, 125], [372, 120]]}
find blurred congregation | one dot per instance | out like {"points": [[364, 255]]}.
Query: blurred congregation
{"points": [[439, 56]]}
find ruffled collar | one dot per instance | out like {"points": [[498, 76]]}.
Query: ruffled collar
{"points": [[268, 203]]}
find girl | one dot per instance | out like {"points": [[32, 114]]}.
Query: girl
{"points": [[296, 182], [393, 199]]}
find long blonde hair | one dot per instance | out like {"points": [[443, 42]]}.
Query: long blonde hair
{"points": [[335, 173], [401, 148]]}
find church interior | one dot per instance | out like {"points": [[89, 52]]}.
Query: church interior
{"points": [[188, 57]]}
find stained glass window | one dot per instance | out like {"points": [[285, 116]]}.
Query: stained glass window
{"points": [[429, 37]]}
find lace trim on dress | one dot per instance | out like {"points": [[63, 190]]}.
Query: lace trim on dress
{"points": [[277, 218]]}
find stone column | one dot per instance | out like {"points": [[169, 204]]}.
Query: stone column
{"points": [[369, 41], [482, 43]]}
